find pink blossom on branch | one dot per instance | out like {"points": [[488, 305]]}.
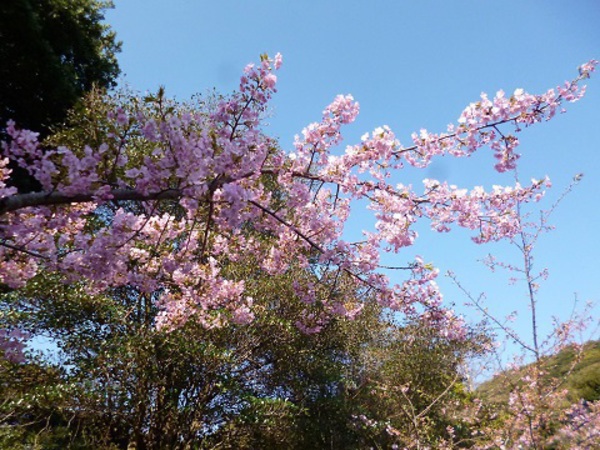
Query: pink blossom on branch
{"points": [[12, 345], [219, 168]]}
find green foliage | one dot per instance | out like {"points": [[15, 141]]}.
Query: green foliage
{"points": [[581, 369], [266, 385], [53, 51], [577, 369]]}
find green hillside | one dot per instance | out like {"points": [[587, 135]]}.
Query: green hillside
{"points": [[580, 369]]}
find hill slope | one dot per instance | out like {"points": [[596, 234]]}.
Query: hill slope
{"points": [[580, 369]]}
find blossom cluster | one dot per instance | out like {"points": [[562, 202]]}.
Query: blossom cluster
{"points": [[537, 415], [218, 168], [12, 345]]}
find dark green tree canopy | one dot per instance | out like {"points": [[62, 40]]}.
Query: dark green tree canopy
{"points": [[51, 53]]}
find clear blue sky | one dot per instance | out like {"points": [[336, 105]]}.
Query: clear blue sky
{"points": [[410, 64]]}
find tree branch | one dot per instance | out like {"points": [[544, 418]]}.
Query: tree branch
{"points": [[20, 201]]}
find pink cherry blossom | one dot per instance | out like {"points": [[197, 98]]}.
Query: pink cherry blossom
{"points": [[215, 166]]}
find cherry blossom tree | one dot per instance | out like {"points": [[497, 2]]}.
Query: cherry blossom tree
{"points": [[528, 400], [216, 167], [167, 199]]}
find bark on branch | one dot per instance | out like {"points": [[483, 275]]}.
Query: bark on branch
{"points": [[19, 201]]}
